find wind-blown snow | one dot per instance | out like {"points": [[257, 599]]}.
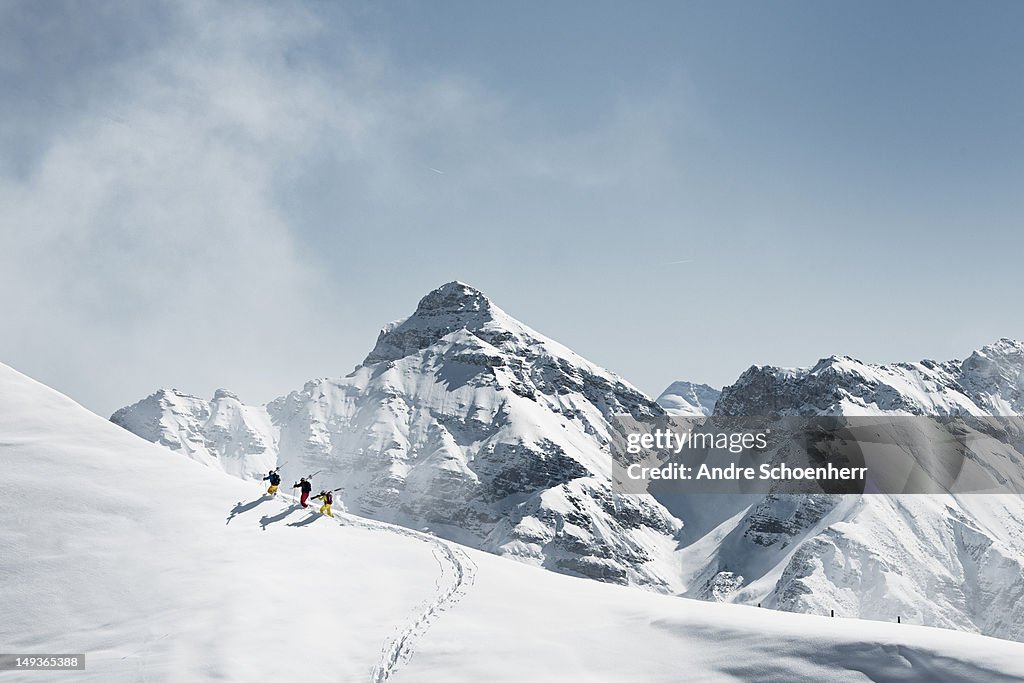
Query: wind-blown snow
{"points": [[161, 569]]}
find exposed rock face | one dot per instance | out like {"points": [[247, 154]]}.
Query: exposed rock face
{"points": [[989, 382]]}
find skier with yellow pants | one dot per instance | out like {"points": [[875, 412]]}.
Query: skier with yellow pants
{"points": [[328, 499], [275, 480]]}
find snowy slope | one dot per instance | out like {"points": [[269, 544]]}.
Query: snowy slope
{"points": [[160, 569], [596, 632], [686, 399], [950, 561], [114, 547], [464, 421]]}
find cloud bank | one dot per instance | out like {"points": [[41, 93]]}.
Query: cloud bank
{"points": [[223, 199]]}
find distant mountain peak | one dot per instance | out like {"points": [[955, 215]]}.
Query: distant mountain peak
{"points": [[835, 360], [995, 374], [1001, 354], [689, 399], [1004, 348]]}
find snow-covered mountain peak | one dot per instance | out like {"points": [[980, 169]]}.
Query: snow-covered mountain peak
{"points": [[1002, 361], [687, 399], [994, 374], [461, 420], [835, 364], [453, 297], [1004, 346], [450, 307], [457, 306]]}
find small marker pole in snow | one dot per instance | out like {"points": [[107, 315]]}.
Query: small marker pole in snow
{"points": [[833, 612], [898, 620]]}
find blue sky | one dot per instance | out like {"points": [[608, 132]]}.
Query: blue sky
{"points": [[202, 195]]}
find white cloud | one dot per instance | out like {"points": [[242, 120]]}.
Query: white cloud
{"points": [[154, 239], [148, 232]]}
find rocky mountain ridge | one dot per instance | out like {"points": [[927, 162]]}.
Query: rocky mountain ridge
{"points": [[944, 560]]}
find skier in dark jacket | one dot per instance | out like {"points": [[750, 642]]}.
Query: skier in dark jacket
{"points": [[275, 480], [305, 485]]}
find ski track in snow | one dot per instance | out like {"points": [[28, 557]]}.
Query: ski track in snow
{"points": [[458, 574]]}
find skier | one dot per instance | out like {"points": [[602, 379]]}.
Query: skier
{"points": [[328, 498], [305, 485], [275, 480]]}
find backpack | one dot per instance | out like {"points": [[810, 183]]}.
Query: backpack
{"points": [[328, 498]]}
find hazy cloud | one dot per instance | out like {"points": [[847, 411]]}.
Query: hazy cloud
{"points": [[170, 223]]}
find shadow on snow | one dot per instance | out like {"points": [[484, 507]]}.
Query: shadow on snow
{"points": [[308, 520], [266, 521], [241, 507]]}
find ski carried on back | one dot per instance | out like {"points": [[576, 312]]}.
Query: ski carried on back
{"points": [[305, 486], [328, 498], [275, 480]]}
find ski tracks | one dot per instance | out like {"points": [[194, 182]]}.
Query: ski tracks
{"points": [[458, 574]]}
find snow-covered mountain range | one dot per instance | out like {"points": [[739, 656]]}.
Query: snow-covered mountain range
{"points": [[989, 382], [466, 422], [946, 560], [138, 569], [463, 421]]}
